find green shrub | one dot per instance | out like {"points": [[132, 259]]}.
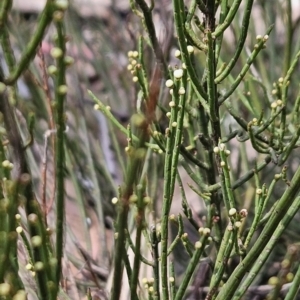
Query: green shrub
{"points": [[206, 120]]}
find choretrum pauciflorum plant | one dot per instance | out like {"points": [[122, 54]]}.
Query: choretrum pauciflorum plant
{"points": [[213, 112]]}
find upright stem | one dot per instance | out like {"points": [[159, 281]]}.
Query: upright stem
{"points": [[60, 95], [280, 210]]}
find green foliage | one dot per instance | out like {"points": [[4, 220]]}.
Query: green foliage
{"points": [[221, 112]]}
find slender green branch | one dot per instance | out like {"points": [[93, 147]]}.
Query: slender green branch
{"points": [[290, 147], [280, 210], [261, 259], [5, 6], [229, 18], [241, 42], [179, 21], [211, 73], [139, 219], [30, 50], [188, 26], [191, 267], [155, 254], [289, 37], [257, 48], [222, 259], [147, 14], [170, 171], [133, 248], [294, 288], [284, 91], [60, 96]]}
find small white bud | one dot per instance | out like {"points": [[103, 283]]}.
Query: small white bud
{"points": [[178, 73], [222, 147], [144, 280], [177, 53], [56, 52], [5, 290], [172, 104], [169, 83], [36, 241], [274, 105], [52, 70], [61, 4], [206, 231], [133, 198], [62, 89], [6, 164], [190, 49], [216, 150], [38, 266], [114, 200], [198, 245], [232, 211], [181, 91], [68, 60], [19, 229], [146, 200], [238, 224], [151, 280]]}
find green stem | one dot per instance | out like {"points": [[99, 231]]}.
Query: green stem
{"points": [[30, 50], [280, 210], [229, 18], [250, 60], [222, 259], [240, 46], [147, 12], [289, 37], [60, 154], [190, 269], [294, 288], [261, 259]]}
